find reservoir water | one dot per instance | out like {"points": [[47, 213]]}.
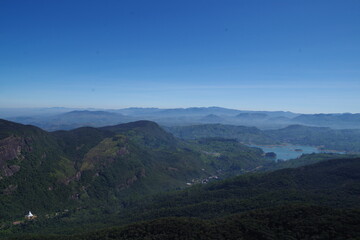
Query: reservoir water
{"points": [[286, 152]]}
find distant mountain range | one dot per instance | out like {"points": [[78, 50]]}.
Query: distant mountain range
{"points": [[64, 119]]}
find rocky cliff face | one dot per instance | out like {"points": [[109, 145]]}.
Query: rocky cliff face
{"points": [[11, 149]]}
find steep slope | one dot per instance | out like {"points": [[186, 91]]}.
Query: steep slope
{"points": [[103, 175], [333, 183], [33, 170], [139, 157], [46, 171], [76, 143], [318, 201], [88, 167], [288, 222]]}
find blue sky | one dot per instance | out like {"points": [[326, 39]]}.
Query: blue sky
{"points": [[301, 56]]}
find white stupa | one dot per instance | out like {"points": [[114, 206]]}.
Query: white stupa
{"points": [[30, 216]]}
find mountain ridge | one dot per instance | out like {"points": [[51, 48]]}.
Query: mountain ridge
{"points": [[87, 166], [73, 118]]}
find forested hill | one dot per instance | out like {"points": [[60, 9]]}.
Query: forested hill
{"points": [[283, 223], [48, 172], [333, 183], [90, 178], [318, 201]]}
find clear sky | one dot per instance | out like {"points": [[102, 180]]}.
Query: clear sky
{"points": [[301, 56]]}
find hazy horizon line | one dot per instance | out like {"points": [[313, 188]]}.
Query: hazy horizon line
{"points": [[161, 108]]}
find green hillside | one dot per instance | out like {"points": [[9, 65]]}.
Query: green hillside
{"points": [[228, 155], [333, 183], [287, 222], [88, 168], [318, 201], [86, 179], [38, 170]]}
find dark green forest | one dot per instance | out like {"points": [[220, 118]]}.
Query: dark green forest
{"points": [[136, 181], [318, 201]]}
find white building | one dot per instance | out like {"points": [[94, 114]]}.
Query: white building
{"points": [[30, 216]]}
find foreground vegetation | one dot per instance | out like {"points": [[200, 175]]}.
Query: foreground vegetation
{"points": [[287, 222], [318, 201]]}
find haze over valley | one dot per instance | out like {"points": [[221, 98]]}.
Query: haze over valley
{"points": [[64, 118]]}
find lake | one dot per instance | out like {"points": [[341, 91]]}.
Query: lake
{"points": [[286, 152]]}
